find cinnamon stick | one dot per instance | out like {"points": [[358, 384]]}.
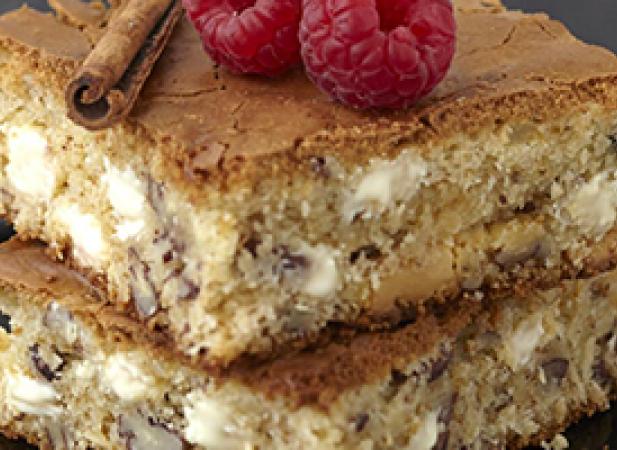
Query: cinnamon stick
{"points": [[105, 88]]}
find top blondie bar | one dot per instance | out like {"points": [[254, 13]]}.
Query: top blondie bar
{"points": [[245, 216]]}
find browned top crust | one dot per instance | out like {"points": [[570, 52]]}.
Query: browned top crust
{"points": [[238, 128], [80, 14], [24, 265], [319, 376], [32, 29], [314, 376], [478, 5]]}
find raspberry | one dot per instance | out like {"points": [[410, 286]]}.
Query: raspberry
{"points": [[248, 36], [377, 53]]}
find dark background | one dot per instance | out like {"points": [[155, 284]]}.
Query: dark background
{"points": [[593, 21]]}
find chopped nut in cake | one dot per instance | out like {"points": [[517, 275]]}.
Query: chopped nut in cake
{"points": [[508, 374], [244, 215]]}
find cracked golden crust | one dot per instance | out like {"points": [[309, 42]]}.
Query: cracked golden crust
{"points": [[21, 31], [479, 5], [526, 65], [80, 14], [224, 130]]}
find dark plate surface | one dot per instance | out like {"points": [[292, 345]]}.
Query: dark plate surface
{"points": [[593, 21]]}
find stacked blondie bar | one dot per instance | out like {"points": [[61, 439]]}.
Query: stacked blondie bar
{"points": [[244, 264]]}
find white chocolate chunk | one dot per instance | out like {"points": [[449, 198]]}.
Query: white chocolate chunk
{"points": [[523, 342], [322, 278], [59, 320], [593, 206], [126, 194], [129, 228], [427, 434], [85, 231], [31, 396], [125, 378], [86, 370], [209, 424], [384, 185], [30, 169]]}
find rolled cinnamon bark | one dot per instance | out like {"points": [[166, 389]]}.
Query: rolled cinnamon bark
{"points": [[105, 88]]}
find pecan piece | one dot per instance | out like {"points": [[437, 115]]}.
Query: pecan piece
{"points": [[556, 369], [48, 369], [141, 433]]}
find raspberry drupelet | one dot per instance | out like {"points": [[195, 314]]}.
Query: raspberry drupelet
{"points": [[249, 36], [377, 53]]}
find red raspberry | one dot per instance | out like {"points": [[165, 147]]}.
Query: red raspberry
{"points": [[377, 53], [248, 36]]}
